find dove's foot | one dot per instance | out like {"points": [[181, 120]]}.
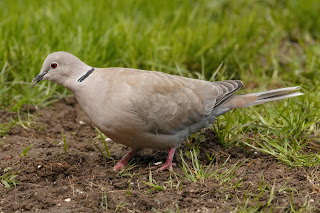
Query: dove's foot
{"points": [[168, 164], [125, 160]]}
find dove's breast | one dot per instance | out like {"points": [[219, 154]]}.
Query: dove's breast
{"points": [[106, 101]]}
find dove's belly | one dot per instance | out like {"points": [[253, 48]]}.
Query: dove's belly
{"points": [[122, 127], [138, 137], [127, 130]]}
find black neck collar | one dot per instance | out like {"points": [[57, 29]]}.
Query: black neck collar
{"points": [[86, 75]]}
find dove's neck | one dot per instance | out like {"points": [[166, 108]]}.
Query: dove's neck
{"points": [[78, 78]]}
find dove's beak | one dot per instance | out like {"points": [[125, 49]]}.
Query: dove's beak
{"points": [[38, 78]]}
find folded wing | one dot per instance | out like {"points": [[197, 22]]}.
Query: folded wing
{"points": [[168, 104]]}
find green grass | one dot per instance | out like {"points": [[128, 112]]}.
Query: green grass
{"points": [[105, 153], [8, 178], [104, 201], [25, 121], [286, 130], [65, 144], [103, 139], [5, 127], [260, 42], [199, 173], [24, 153], [153, 184]]}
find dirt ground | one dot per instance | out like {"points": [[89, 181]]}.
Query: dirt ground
{"points": [[82, 180]]}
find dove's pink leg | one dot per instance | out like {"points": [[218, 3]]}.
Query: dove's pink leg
{"points": [[168, 164], [125, 160]]}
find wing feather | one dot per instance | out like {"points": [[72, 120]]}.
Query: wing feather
{"points": [[168, 103]]}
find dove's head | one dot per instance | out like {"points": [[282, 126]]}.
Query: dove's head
{"points": [[62, 68]]}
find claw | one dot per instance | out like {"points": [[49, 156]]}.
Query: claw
{"points": [[125, 160], [168, 164]]}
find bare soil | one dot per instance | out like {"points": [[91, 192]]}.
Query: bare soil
{"points": [[82, 180]]}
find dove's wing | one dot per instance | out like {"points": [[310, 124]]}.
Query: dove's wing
{"points": [[168, 104]]}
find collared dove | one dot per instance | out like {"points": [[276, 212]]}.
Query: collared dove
{"points": [[149, 109]]}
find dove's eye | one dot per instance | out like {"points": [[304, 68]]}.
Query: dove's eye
{"points": [[53, 65]]}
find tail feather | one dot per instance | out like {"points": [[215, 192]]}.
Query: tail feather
{"points": [[252, 99], [275, 92], [273, 98]]}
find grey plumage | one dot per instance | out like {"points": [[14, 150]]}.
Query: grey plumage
{"points": [[148, 109]]}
